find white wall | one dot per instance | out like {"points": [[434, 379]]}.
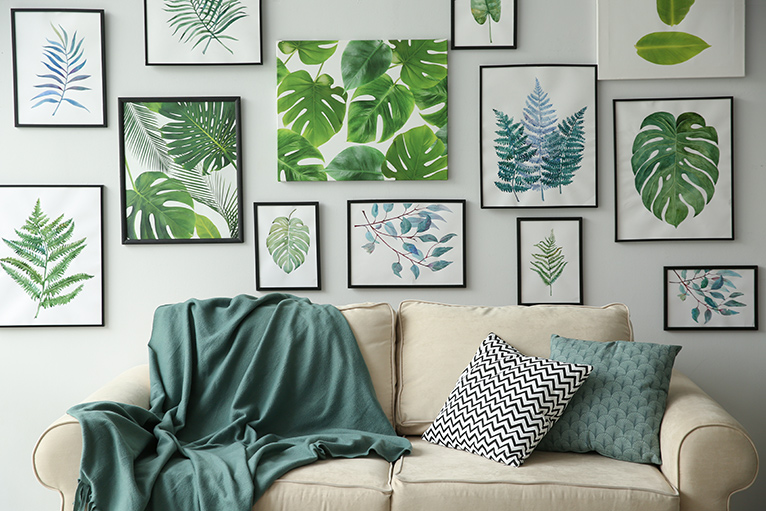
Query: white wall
{"points": [[44, 371]]}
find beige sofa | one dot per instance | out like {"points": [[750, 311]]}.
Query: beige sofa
{"points": [[415, 356]]}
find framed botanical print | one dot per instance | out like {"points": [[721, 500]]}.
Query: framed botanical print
{"points": [[538, 127], [484, 24], [406, 243], [287, 254], [181, 170], [711, 297], [59, 77], [190, 32], [674, 169], [51, 255], [549, 260]]}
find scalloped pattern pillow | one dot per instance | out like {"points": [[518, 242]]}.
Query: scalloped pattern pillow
{"points": [[618, 410]]}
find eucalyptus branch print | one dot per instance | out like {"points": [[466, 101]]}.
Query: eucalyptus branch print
{"points": [[44, 252], [550, 262], [406, 235], [64, 57], [710, 291], [204, 21]]}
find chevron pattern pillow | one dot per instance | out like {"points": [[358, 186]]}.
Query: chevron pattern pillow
{"points": [[505, 402]]}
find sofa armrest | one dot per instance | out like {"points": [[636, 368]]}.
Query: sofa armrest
{"points": [[706, 453], [56, 457]]}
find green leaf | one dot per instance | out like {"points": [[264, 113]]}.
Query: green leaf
{"points": [[439, 265], [397, 269], [430, 99], [288, 242], [440, 251], [357, 163], [364, 61], [673, 12], [416, 155], [310, 52], [481, 9], [675, 164], [204, 21], [143, 137], [160, 207], [550, 262], [282, 71], [391, 103], [669, 48], [314, 108], [292, 150], [206, 229], [423, 61]]}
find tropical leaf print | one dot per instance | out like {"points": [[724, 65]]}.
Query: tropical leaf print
{"points": [[159, 207], [549, 263], [65, 58], [204, 21], [383, 100], [486, 11], [675, 164], [416, 154], [292, 151], [288, 242], [44, 252]]}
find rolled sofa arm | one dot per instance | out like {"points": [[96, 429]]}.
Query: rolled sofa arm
{"points": [[56, 457], [706, 453]]}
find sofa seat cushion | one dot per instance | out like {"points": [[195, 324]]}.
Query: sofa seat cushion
{"points": [[438, 478], [339, 484]]}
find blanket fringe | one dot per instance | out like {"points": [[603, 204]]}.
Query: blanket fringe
{"points": [[83, 497]]}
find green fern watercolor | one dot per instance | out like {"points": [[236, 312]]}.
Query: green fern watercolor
{"points": [[549, 264], [44, 253]]}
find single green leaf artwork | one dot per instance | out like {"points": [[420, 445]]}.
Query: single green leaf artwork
{"points": [[486, 11], [670, 48], [44, 251], [550, 262], [673, 12], [202, 22], [288, 242]]}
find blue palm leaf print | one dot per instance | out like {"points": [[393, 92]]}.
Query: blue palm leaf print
{"points": [[64, 58]]}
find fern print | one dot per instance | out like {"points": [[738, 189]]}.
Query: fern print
{"points": [[64, 58], [204, 21], [549, 264], [565, 152], [514, 152], [44, 253], [539, 120]]}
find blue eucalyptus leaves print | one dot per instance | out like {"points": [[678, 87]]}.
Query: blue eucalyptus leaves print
{"points": [[709, 292]]}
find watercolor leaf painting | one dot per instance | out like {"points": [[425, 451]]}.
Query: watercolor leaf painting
{"points": [[710, 292], [288, 242], [669, 48], [550, 262], [486, 11], [203, 22]]}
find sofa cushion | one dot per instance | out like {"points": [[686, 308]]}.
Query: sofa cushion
{"points": [[618, 411], [504, 402], [373, 325], [434, 477], [436, 342]]}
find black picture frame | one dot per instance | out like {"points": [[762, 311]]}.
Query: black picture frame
{"points": [[513, 173], [391, 245], [465, 27], [197, 192], [78, 213], [710, 297], [538, 272], [171, 40], [57, 70], [286, 275], [636, 221]]}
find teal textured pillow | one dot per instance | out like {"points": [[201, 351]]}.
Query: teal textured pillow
{"points": [[618, 410]]}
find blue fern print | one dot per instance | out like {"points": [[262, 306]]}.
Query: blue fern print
{"points": [[564, 154], [513, 152], [64, 58], [539, 121]]}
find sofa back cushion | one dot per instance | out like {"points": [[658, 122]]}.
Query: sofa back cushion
{"points": [[436, 342], [374, 325]]}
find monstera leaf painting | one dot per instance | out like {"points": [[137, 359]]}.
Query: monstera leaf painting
{"points": [[369, 110], [181, 169]]}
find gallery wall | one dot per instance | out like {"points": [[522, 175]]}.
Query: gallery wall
{"points": [[45, 370]]}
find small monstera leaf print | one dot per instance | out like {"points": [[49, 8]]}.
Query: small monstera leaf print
{"points": [[288, 242], [675, 164]]}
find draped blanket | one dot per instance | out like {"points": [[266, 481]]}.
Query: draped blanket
{"points": [[243, 390]]}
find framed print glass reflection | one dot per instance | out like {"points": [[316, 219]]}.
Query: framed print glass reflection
{"points": [[484, 24], [674, 169], [287, 254], [406, 243], [51, 255], [59, 77]]}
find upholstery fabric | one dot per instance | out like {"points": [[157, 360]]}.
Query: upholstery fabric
{"points": [[504, 402], [618, 411]]}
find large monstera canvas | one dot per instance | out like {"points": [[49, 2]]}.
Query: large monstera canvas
{"points": [[538, 136], [59, 73], [181, 170], [202, 32], [51, 255], [673, 166], [362, 110]]}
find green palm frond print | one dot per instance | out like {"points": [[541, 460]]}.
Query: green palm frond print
{"points": [[44, 252], [204, 21], [549, 264]]}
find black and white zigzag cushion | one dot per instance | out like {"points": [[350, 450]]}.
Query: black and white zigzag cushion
{"points": [[505, 402]]}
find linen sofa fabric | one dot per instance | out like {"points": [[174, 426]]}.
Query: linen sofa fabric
{"points": [[434, 345], [618, 411], [504, 402]]}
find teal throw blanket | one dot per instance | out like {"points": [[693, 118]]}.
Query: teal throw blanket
{"points": [[243, 390]]}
